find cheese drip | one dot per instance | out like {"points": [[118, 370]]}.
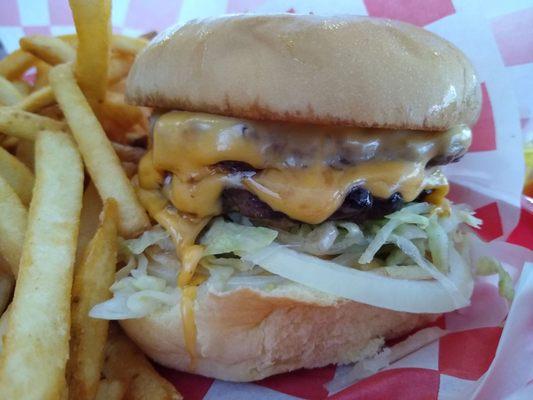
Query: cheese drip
{"points": [[303, 171]]}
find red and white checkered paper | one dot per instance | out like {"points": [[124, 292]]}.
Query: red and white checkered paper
{"points": [[487, 352]]}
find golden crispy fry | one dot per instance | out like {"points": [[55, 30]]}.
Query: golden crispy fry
{"points": [[89, 219], [93, 26], [128, 44], [7, 281], [22, 86], [42, 74], [92, 279], [110, 390], [13, 220], [100, 159], [17, 175], [25, 125], [126, 363], [4, 267], [49, 49], [9, 93], [3, 326], [70, 38], [36, 343], [9, 141], [25, 152], [39, 99], [118, 87], [122, 114], [119, 67], [15, 64]]}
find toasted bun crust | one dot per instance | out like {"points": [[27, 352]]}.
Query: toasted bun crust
{"points": [[245, 335], [345, 70]]}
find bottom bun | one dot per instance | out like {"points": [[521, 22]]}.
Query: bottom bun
{"points": [[247, 335]]}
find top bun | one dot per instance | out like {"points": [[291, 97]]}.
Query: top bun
{"points": [[343, 70]]}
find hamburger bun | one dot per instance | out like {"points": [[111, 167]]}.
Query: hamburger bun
{"points": [[246, 335], [344, 70]]}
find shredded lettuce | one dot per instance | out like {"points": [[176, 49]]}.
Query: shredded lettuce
{"points": [[147, 239], [227, 237], [146, 282], [329, 238], [407, 215], [411, 260], [490, 266], [438, 243]]}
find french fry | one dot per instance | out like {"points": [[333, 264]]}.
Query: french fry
{"points": [[42, 74], [127, 44], [110, 390], [70, 38], [92, 279], [126, 363], [9, 93], [25, 125], [25, 153], [13, 221], [6, 288], [9, 141], [3, 326], [93, 26], [49, 49], [17, 175], [118, 87], [39, 99], [36, 345], [100, 159], [15, 64], [7, 282], [90, 214], [119, 67], [122, 114], [23, 87]]}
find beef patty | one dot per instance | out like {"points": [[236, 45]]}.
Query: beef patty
{"points": [[358, 206]]}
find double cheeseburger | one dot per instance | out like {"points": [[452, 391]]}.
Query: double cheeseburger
{"points": [[293, 179]]}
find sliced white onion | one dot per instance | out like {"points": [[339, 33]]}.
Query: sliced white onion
{"points": [[146, 301], [115, 308], [254, 281], [365, 287]]}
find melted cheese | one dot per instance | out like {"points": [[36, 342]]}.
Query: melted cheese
{"points": [[438, 184], [184, 143], [311, 195], [199, 197], [190, 257], [305, 171], [182, 228]]}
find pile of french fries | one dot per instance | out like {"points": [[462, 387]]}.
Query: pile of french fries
{"points": [[67, 151]]}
